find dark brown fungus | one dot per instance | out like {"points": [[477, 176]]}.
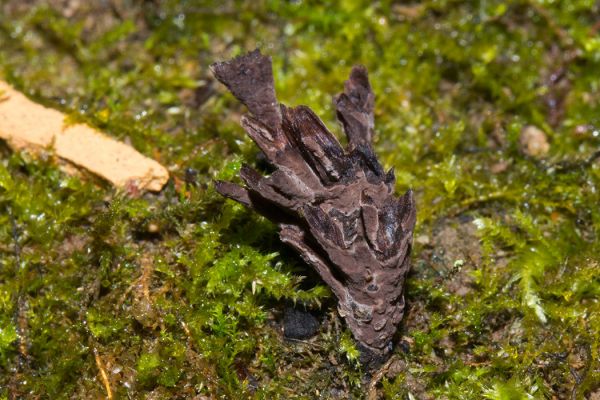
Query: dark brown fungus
{"points": [[336, 207]]}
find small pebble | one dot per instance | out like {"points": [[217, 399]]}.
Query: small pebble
{"points": [[422, 239], [533, 142], [299, 324], [499, 167]]}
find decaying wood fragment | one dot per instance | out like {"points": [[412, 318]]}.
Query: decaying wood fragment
{"points": [[335, 206], [26, 125]]}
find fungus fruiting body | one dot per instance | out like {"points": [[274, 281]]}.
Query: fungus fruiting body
{"points": [[335, 206]]}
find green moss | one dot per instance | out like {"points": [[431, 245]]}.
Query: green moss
{"points": [[180, 294]]}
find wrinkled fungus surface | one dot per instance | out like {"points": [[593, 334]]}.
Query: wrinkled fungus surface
{"points": [[335, 206], [182, 294]]}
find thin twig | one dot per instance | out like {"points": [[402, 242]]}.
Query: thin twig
{"points": [[468, 203], [306, 342], [506, 196], [566, 166], [484, 199], [103, 375], [21, 303], [146, 277], [141, 284], [377, 376]]}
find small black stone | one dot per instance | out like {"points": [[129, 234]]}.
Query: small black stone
{"points": [[370, 359], [190, 176], [299, 324], [404, 346]]}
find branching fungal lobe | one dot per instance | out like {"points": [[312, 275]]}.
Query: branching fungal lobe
{"points": [[336, 207]]}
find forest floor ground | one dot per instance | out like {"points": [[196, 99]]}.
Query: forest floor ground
{"points": [[488, 110]]}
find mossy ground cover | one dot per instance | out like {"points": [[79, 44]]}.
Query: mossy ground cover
{"points": [[180, 294]]}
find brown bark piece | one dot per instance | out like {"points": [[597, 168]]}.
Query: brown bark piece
{"points": [[334, 206], [31, 126]]}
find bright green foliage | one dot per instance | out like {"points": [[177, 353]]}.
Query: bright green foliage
{"points": [[181, 294], [506, 391], [348, 346], [8, 335]]}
